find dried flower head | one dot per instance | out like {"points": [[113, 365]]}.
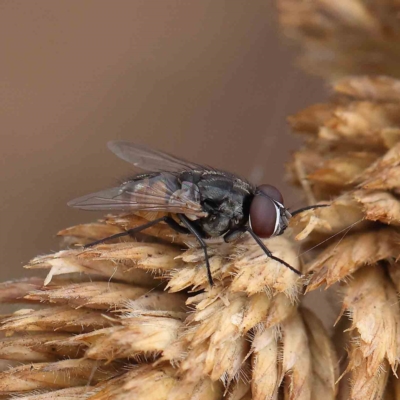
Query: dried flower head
{"points": [[352, 159], [139, 320], [344, 36]]}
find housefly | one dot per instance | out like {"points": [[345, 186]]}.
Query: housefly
{"points": [[197, 200]]}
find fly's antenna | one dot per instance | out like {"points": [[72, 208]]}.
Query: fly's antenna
{"points": [[300, 210]]}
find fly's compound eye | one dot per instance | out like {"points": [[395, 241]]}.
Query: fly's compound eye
{"points": [[263, 216], [272, 192]]}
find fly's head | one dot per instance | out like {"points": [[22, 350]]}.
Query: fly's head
{"points": [[268, 215]]}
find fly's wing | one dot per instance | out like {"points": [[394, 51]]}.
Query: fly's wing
{"points": [[160, 190], [152, 160], [151, 192], [149, 159]]}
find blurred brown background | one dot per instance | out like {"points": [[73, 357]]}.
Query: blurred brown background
{"points": [[210, 80]]}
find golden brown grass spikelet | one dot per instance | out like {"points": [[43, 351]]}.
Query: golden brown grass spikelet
{"points": [[39, 347], [343, 258], [75, 393], [56, 375], [324, 360], [371, 303], [142, 382], [265, 354], [107, 296], [68, 262], [141, 336], [60, 318], [296, 359], [14, 291]]}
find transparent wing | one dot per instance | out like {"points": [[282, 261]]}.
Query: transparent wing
{"points": [[160, 192], [149, 159]]}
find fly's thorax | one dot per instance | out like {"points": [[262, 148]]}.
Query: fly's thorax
{"points": [[215, 225], [221, 199], [228, 215]]}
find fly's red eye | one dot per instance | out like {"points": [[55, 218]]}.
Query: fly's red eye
{"points": [[263, 216], [271, 191]]}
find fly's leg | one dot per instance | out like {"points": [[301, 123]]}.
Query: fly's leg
{"points": [[203, 245], [168, 220], [269, 254], [234, 234]]}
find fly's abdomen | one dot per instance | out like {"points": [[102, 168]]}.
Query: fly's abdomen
{"points": [[164, 192], [156, 190]]}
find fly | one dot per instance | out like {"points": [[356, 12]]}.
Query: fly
{"points": [[205, 202]]}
